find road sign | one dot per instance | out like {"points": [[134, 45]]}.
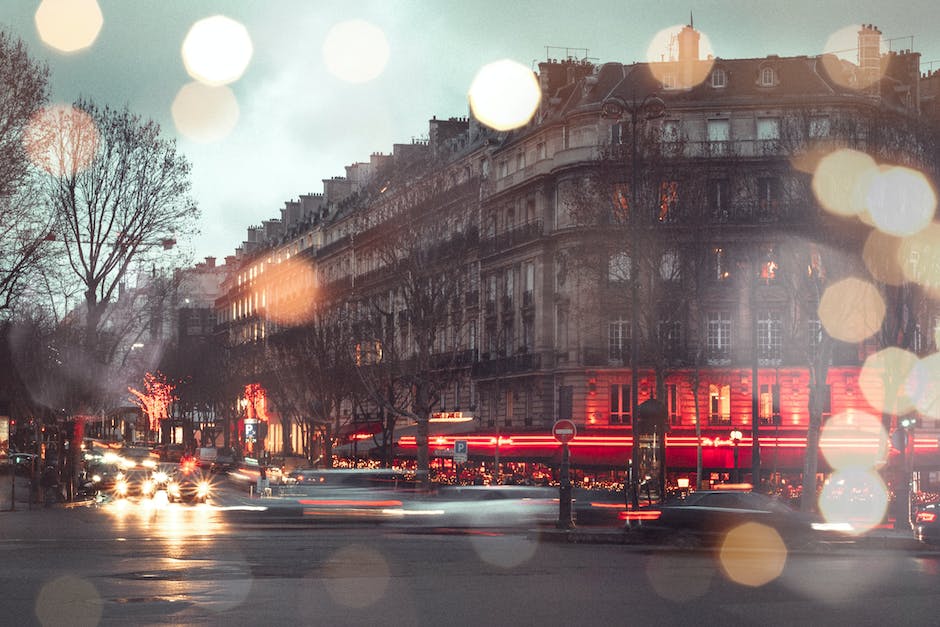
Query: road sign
{"points": [[564, 431], [460, 451]]}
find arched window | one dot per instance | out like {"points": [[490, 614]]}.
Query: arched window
{"points": [[768, 78]]}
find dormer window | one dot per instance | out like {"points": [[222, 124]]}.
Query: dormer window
{"points": [[768, 77], [719, 78], [669, 81]]}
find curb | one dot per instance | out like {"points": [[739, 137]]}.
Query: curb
{"points": [[617, 537]]}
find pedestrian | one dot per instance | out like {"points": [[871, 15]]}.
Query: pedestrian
{"points": [[262, 481], [50, 484]]}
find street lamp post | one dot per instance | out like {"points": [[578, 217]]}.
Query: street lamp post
{"points": [[736, 436], [650, 107]]}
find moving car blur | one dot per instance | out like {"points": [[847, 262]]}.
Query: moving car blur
{"points": [[352, 493], [704, 518], [484, 506]]}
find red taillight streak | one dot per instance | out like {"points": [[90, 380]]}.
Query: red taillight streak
{"points": [[652, 514], [928, 517], [349, 503]]}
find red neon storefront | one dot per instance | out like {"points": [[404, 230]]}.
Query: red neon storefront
{"points": [[782, 452]]}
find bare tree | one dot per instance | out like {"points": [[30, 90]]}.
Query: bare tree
{"points": [[120, 192], [427, 351], [311, 375], [23, 222]]}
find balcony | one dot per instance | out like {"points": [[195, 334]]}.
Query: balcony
{"points": [[452, 360], [518, 236], [523, 362]]}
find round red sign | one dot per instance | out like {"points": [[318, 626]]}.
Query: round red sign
{"points": [[564, 430]]}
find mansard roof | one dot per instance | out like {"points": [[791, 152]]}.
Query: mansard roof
{"points": [[797, 80]]}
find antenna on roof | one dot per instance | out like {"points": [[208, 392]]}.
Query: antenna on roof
{"points": [[691, 21]]}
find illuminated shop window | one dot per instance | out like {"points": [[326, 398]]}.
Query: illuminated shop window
{"points": [[620, 404]]}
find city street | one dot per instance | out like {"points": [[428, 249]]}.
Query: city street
{"points": [[197, 564]]}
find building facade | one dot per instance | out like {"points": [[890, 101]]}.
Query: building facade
{"points": [[656, 231]]}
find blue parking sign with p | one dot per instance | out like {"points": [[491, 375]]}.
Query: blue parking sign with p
{"points": [[460, 451]]}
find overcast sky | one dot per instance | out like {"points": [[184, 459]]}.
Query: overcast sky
{"points": [[299, 124]]}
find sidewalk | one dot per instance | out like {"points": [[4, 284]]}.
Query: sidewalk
{"points": [[20, 490]]}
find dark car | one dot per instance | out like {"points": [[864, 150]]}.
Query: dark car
{"points": [[189, 484], [598, 507], [704, 518], [24, 463], [133, 482], [927, 523]]}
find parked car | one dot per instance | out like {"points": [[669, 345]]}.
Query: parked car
{"points": [[23, 463], [704, 518], [927, 523]]}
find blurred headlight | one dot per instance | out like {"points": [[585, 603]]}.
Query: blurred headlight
{"points": [[203, 489], [121, 487], [173, 488], [147, 486], [160, 476], [96, 478], [148, 463], [833, 526]]}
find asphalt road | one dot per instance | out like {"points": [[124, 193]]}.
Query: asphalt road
{"points": [[203, 565]]}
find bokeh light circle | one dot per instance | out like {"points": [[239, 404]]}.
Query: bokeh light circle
{"points": [[504, 551], [919, 258], [841, 60], [753, 554], [671, 578], [922, 386], [853, 440], [662, 54], [355, 51], [205, 113], [294, 306], [881, 255], [883, 378], [69, 25], [217, 50], [901, 201], [504, 95], [68, 600], [842, 179], [856, 496], [356, 576], [851, 310], [61, 139]]}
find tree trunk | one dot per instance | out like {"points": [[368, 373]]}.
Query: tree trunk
{"points": [[808, 500]]}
